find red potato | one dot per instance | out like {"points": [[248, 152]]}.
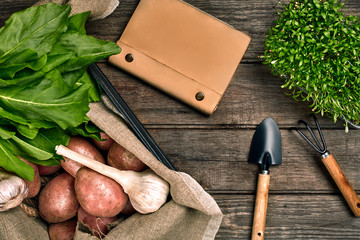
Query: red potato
{"points": [[122, 159], [105, 144], [57, 200], [97, 225], [63, 230], [84, 147], [128, 209], [99, 195], [34, 186], [47, 170]]}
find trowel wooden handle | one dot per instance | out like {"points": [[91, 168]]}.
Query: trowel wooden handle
{"points": [[262, 193], [343, 184]]}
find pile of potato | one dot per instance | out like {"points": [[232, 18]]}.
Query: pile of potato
{"points": [[79, 194]]}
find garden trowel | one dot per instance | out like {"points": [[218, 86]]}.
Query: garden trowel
{"points": [[265, 150]]}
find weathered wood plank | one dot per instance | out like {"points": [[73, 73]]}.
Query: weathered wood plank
{"points": [[252, 95], [217, 159], [297, 216]]}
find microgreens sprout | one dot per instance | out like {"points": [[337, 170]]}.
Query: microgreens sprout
{"points": [[315, 49]]}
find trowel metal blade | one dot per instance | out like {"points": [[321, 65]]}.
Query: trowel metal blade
{"points": [[266, 144]]}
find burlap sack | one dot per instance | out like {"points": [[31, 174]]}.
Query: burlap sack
{"points": [[190, 214]]}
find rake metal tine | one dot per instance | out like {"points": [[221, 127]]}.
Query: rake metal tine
{"points": [[320, 133], [307, 140], [320, 148]]}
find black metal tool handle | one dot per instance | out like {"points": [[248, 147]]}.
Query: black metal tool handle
{"points": [[129, 116]]}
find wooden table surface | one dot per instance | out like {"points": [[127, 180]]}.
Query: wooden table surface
{"points": [[304, 202]]}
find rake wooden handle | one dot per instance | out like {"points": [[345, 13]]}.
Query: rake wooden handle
{"points": [[262, 193], [343, 184]]}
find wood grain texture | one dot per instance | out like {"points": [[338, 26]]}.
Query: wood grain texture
{"points": [[261, 202], [218, 159], [343, 184], [289, 216], [252, 95], [304, 202]]}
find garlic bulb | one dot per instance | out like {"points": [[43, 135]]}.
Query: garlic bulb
{"points": [[13, 190], [147, 191]]}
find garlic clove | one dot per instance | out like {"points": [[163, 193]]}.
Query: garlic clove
{"points": [[149, 192], [13, 190]]}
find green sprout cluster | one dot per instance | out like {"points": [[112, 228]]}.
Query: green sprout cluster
{"points": [[315, 48]]}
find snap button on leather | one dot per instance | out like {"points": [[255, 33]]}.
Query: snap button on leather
{"points": [[129, 57], [200, 96]]}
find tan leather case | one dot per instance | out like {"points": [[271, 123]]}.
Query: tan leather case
{"points": [[182, 51]]}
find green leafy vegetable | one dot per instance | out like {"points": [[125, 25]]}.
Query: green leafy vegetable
{"points": [[35, 28], [315, 48], [12, 164], [47, 100], [45, 89]]}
